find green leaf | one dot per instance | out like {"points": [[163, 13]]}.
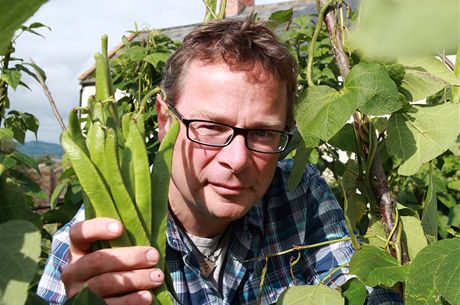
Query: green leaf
{"points": [[412, 27], [11, 77], [136, 53], [56, 193], [375, 235], [14, 13], [157, 57], [418, 137], [373, 88], [454, 185], [354, 292], [14, 204], [435, 272], [280, 17], [20, 252], [16, 124], [31, 122], [6, 133], [298, 168], [345, 139], [322, 111], [38, 70], [454, 216], [425, 76], [375, 266], [26, 160], [430, 211], [85, 297], [8, 162], [310, 295], [413, 232]]}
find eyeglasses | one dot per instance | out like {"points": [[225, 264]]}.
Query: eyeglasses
{"points": [[219, 135]]}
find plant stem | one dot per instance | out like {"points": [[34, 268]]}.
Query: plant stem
{"points": [[311, 47], [335, 35], [378, 180], [50, 99], [4, 103]]}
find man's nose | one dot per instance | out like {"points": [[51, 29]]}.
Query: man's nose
{"points": [[235, 156]]}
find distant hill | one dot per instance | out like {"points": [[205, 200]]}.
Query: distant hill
{"points": [[39, 148]]}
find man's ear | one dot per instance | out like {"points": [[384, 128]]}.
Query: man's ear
{"points": [[164, 119]]}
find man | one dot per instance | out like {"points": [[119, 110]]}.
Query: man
{"points": [[232, 86]]}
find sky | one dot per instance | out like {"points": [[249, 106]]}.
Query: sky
{"points": [[67, 50]]}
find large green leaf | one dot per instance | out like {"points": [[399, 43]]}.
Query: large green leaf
{"points": [[374, 90], [14, 13], [390, 28], [300, 161], [413, 232], [375, 235], [322, 111], [425, 76], [430, 211], [310, 295], [354, 292], [20, 252], [422, 135], [14, 204], [345, 139], [435, 272], [375, 266], [11, 77]]}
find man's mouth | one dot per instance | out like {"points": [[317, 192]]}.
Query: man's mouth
{"points": [[228, 189]]}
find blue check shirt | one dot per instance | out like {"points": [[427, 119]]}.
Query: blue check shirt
{"points": [[280, 220]]}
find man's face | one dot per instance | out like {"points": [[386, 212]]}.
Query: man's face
{"points": [[213, 185]]}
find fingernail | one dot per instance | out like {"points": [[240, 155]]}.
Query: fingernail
{"points": [[146, 295], [151, 255], [113, 227], [156, 276]]}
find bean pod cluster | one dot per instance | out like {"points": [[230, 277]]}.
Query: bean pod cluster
{"points": [[111, 163]]}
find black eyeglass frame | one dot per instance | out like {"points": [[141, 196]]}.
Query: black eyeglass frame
{"points": [[236, 131]]}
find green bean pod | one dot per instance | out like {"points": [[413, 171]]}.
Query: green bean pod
{"points": [[125, 121], [160, 188], [93, 185], [141, 171], [74, 128], [123, 201], [103, 90], [95, 142]]}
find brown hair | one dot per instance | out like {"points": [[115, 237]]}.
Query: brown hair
{"points": [[239, 43]]}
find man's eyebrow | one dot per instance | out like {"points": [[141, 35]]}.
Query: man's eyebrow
{"points": [[221, 118]]}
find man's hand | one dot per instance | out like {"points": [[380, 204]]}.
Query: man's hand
{"points": [[119, 275]]}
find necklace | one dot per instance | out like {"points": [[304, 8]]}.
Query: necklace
{"points": [[208, 263], [207, 251]]}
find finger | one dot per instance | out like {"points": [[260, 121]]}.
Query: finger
{"points": [[110, 260], [135, 298], [121, 283], [84, 234]]}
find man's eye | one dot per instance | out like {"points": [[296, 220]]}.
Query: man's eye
{"points": [[263, 134], [210, 128]]}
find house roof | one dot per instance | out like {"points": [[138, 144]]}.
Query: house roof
{"points": [[179, 32]]}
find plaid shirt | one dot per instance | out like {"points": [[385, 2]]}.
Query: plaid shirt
{"points": [[308, 215]]}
